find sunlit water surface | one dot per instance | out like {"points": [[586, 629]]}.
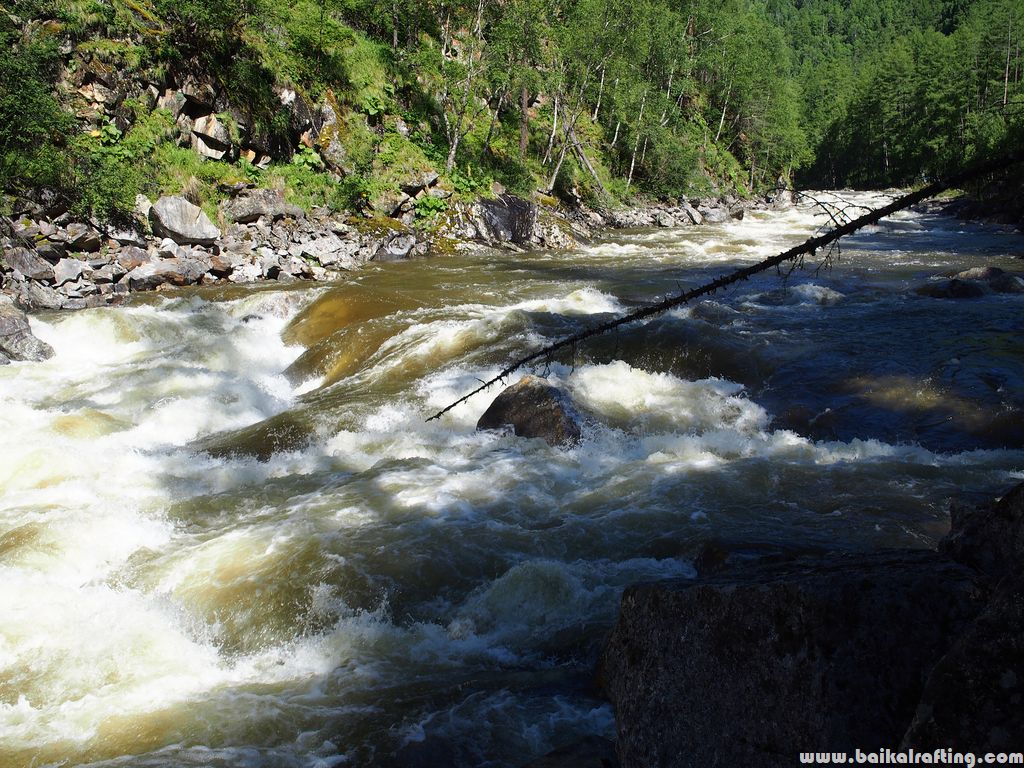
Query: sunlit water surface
{"points": [[229, 538]]}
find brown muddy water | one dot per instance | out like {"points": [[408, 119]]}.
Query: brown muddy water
{"points": [[229, 538]]}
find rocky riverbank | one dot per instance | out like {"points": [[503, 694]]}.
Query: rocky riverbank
{"points": [[52, 262], [770, 653]]}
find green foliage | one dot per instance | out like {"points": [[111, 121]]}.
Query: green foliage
{"points": [[33, 128], [589, 97], [308, 158], [429, 207]]}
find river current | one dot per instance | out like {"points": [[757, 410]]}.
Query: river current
{"points": [[228, 537]]}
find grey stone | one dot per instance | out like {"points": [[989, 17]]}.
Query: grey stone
{"points": [[131, 257], [330, 250], [252, 204], [246, 273], [29, 264], [81, 237], [398, 247], [178, 271], [128, 235], [143, 206], [691, 212], [752, 666], [714, 215], [68, 270], [1007, 283], [35, 296], [16, 339], [419, 181], [186, 224], [51, 251], [109, 273], [534, 408]]}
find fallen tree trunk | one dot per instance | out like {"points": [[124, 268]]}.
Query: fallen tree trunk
{"points": [[807, 248]]}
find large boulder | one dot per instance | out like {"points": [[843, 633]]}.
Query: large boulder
{"points": [[31, 295], [254, 203], [974, 697], [989, 538], [183, 270], [534, 408], [186, 224], [29, 264], [754, 665], [505, 219], [16, 339]]}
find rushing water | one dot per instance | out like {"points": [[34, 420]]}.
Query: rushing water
{"points": [[228, 537]]}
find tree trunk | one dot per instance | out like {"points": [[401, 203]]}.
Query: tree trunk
{"points": [[551, 138], [450, 162], [587, 164], [490, 128], [725, 104], [636, 144], [524, 122]]}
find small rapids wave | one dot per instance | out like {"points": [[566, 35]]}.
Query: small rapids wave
{"points": [[229, 537]]}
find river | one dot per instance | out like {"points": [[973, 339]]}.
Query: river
{"points": [[228, 537]]}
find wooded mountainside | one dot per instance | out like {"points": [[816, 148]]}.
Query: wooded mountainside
{"points": [[340, 102]]}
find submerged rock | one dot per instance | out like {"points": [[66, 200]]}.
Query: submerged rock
{"points": [[752, 666], [16, 339], [186, 224], [972, 283], [952, 289], [534, 408]]}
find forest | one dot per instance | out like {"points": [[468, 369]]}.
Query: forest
{"points": [[596, 100]]}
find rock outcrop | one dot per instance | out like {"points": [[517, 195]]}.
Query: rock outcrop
{"points": [[759, 659], [16, 339], [534, 408]]}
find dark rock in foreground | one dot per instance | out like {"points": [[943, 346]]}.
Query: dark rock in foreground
{"points": [[751, 667], [974, 698], [534, 408], [989, 538], [16, 339], [764, 657], [591, 752]]}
